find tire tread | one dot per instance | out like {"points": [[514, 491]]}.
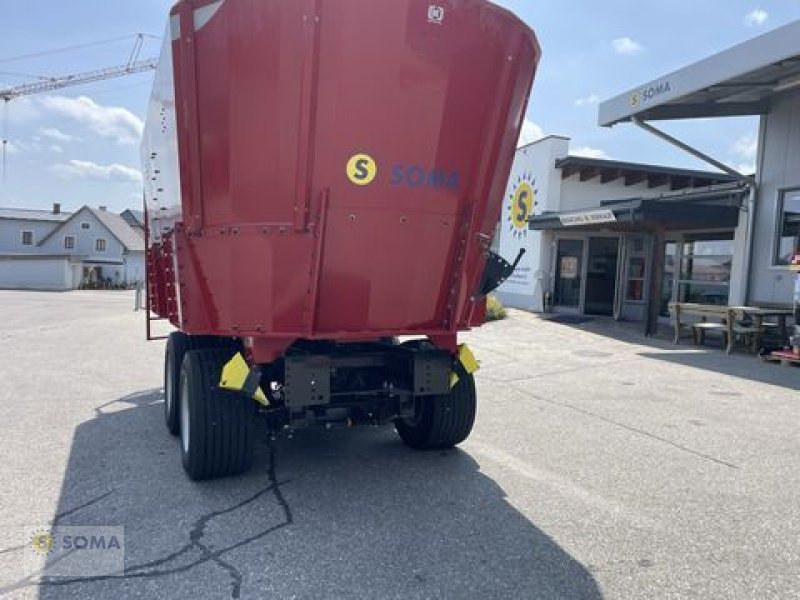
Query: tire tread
{"points": [[446, 420], [222, 437]]}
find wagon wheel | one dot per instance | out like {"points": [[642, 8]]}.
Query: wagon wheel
{"points": [[442, 421], [178, 344], [217, 426]]}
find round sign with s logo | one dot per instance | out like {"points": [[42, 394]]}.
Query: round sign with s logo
{"points": [[522, 204], [362, 169]]}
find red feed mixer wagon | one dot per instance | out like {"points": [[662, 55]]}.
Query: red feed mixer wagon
{"points": [[323, 178]]}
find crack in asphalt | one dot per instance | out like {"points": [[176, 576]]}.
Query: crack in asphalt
{"points": [[75, 509], [149, 570], [579, 369], [633, 429], [13, 549]]}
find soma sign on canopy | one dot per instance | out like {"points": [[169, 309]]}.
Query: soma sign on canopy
{"points": [[649, 93]]}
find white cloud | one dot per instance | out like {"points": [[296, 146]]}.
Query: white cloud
{"points": [[589, 152], [627, 46], [113, 122], [57, 149], [81, 169], [57, 135], [746, 146], [744, 168], [530, 133], [756, 18], [22, 111], [24, 146], [589, 100], [745, 150]]}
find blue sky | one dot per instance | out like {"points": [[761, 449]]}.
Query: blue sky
{"points": [[80, 145]]}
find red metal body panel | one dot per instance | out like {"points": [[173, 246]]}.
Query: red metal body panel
{"points": [[274, 98]]}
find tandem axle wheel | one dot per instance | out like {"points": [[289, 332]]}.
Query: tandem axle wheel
{"points": [[442, 421], [417, 387]]}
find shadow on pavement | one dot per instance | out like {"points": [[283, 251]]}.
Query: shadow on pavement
{"points": [[744, 367], [327, 514], [710, 356]]}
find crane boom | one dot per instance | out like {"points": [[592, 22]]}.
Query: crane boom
{"points": [[57, 83]]}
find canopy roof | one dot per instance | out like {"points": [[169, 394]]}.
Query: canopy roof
{"points": [[739, 81], [711, 208]]}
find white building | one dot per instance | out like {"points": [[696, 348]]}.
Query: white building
{"points": [[589, 251], [673, 235], [760, 77], [53, 250]]}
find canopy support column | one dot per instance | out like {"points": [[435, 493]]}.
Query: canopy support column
{"points": [[748, 179], [656, 281]]}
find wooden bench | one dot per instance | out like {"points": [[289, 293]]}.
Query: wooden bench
{"points": [[699, 331], [749, 334], [736, 323], [752, 325], [722, 314]]}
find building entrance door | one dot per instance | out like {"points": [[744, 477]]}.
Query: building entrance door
{"points": [[601, 276], [569, 270]]}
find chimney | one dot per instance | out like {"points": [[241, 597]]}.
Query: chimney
{"points": [[56, 208], [103, 208]]}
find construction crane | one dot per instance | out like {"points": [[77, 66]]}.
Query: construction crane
{"points": [[57, 83], [51, 84]]}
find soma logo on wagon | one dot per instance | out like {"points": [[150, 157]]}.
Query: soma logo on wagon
{"points": [[415, 176], [362, 170]]}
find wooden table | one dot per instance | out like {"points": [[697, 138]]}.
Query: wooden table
{"points": [[758, 315], [728, 316]]}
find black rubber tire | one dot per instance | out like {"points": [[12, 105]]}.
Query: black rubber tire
{"points": [[442, 421], [178, 344], [221, 424]]}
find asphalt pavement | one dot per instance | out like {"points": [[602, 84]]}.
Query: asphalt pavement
{"points": [[602, 465]]}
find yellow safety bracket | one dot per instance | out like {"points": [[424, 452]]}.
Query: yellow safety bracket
{"points": [[237, 376], [467, 360]]}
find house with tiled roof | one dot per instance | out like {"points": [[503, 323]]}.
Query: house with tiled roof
{"points": [[134, 218], [54, 250]]}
